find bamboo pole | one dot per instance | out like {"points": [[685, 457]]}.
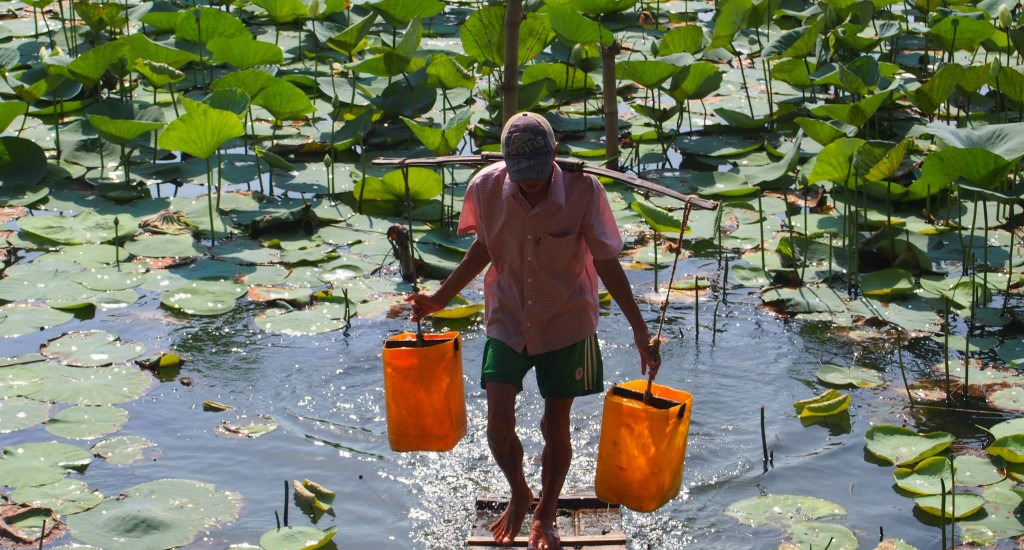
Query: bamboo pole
{"points": [[510, 77], [611, 105]]}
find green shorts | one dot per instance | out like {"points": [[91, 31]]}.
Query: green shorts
{"points": [[572, 371]]}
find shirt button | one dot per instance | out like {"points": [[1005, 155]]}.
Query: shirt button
{"points": [[529, 280], [529, 302], [529, 324]]}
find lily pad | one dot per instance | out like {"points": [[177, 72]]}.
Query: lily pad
{"points": [[18, 413], [1009, 448], [829, 403], [94, 348], [1007, 427], [87, 421], [860, 377], [22, 319], [903, 446], [321, 318], [65, 497], [814, 534], [34, 464], [165, 246], [203, 297], [87, 227], [123, 450], [962, 504], [977, 471], [1007, 399], [95, 386], [313, 498], [926, 476], [772, 510], [296, 538], [244, 426], [160, 514], [19, 381]]}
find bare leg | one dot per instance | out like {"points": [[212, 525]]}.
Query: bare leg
{"points": [[555, 463], [508, 453]]}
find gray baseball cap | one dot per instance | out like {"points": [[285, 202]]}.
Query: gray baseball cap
{"points": [[528, 145]]}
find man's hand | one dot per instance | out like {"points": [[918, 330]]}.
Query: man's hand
{"points": [[423, 304], [650, 352]]}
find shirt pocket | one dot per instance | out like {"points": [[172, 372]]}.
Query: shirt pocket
{"points": [[560, 255]]}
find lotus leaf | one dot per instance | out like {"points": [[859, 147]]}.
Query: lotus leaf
{"points": [[902, 446], [297, 296], [809, 299], [1007, 427], [87, 227], [773, 510], [21, 319], [296, 538], [894, 544], [813, 534], [201, 134], [203, 24], [142, 47], [1007, 399], [312, 255], [119, 131], [283, 11], [1008, 447], [459, 308], [1012, 352], [93, 386], [959, 343], [964, 504], [244, 426], [444, 140], [887, 283], [976, 375], [976, 471], [35, 464], [65, 497], [108, 278], [318, 319], [123, 450], [203, 297], [860, 377], [926, 477], [313, 499], [95, 348], [423, 184], [18, 413], [19, 381], [828, 403], [660, 220], [87, 421], [88, 256]]}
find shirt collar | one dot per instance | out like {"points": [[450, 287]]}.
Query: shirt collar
{"points": [[556, 192]]}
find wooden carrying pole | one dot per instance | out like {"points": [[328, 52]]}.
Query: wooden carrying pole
{"points": [[572, 165]]}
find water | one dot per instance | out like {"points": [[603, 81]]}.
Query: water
{"points": [[327, 394]]}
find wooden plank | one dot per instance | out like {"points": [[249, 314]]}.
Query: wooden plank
{"points": [[571, 164], [583, 521]]}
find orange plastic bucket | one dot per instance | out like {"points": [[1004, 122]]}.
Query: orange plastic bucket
{"points": [[424, 392], [642, 450]]}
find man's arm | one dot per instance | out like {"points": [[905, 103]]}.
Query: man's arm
{"points": [[475, 260], [614, 279]]}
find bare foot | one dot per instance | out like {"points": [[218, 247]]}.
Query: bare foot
{"points": [[543, 535], [505, 529]]}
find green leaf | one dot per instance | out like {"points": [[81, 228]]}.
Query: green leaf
{"points": [[826, 404], [284, 100], [730, 18], [887, 283], [962, 33], [352, 38], [442, 141], [201, 25], [87, 422], [961, 504], [107, 386], [100, 16], [10, 110], [201, 134], [573, 28], [35, 464], [424, 184], [18, 413], [860, 377], [1005, 140], [91, 348], [90, 67], [250, 81], [649, 73], [401, 12], [822, 535], [165, 246], [121, 132], [603, 7], [142, 48], [681, 39], [562, 76], [926, 476], [123, 450], [902, 446], [64, 497], [444, 72], [933, 93], [774, 510], [795, 43], [1007, 399], [22, 319], [660, 220], [397, 60], [283, 11], [296, 538], [244, 52], [158, 74], [22, 162], [977, 471], [204, 298]]}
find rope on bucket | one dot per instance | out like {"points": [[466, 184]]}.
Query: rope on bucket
{"points": [[407, 260], [655, 345]]}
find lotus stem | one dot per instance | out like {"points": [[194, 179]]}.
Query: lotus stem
{"points": [[286, 503], [942, 512], [117, 248], [696, 308], [764, 441], [656, 262], [760, 227], [209, 201], [746, 90], [903, 370], [277, 517], [945, 349]]}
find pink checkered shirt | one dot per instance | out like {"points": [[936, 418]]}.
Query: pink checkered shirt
{"points": [[541, 288]]}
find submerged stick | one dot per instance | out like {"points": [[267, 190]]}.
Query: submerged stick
{"points": [[903, 372], [286, 503]]}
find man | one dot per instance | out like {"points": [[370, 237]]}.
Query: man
{"points": [[548, 235]]}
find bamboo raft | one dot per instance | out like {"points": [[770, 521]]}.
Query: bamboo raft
{"points": [[584, 523]]}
